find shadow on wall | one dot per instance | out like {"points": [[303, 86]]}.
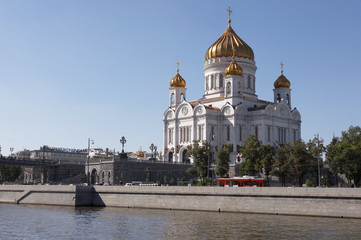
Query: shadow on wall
{"points": [[87, 196]]}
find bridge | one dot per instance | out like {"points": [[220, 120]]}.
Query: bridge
{"points": [[11, 160]]}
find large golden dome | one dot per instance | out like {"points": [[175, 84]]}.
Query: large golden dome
{"points": [[177, 81], [282, 82], [224, 45]]}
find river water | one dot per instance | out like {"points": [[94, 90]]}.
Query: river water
{"points": [[49, 222]]}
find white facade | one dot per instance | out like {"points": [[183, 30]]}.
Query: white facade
{"points": [[229, 111]]}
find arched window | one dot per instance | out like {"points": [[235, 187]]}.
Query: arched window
{"points": [[184, 156], [170, 157], [249, 82], [103, 175], [278, 99], [228, 132], [94, 176], [287, 99], [212, 77], [182, 97], [228, 88], [109, 175], [172, 98], [147, 175], [221, 80], [214, 81], [240, 133]]}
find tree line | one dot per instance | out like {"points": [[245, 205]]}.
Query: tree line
{"points": [[296, 159], [9, 173]]}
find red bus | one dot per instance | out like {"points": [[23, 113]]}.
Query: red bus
{"points": [[240, 182]]}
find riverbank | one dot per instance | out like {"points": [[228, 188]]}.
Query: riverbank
{"points": [[327, 202]]}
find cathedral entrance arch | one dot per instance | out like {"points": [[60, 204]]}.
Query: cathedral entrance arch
{"points": [[170, 157], [94, 177], [185, 158]]}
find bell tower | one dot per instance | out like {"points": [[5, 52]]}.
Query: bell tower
{"points": [[282, 91], [233, 82], [177, 90]]}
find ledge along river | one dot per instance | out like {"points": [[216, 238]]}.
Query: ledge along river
{"points": [[59, 222]]}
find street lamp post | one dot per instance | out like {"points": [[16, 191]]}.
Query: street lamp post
{"points": [[123, 141], [318, 159], [88, 157], [211, 136], [151, 149], [209, 153]]}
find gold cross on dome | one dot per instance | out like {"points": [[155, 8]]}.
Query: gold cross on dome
{"points": [[177, 66], [281, 67], [229, 13]]}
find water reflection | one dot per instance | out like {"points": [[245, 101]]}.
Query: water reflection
{"points": [[45, 222]]}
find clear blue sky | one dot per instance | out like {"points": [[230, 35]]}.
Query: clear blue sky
{"points": [[70, 70]]}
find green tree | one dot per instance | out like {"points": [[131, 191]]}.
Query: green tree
{"points": [[200, 154], [333, 162], [250, 151], [299, 159], [9, 173], [222, 162], [349, 153], [281, 166], [266, 153]]}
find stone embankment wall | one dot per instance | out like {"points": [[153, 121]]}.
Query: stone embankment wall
{"points": [[65, 195], [330, 202]]}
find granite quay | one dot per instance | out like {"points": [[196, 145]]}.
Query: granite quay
{"points": [[327, 202]]}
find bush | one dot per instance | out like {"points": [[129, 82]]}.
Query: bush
{"points": [[326, 182], [310, 183], [172, 181], [193, 182]]}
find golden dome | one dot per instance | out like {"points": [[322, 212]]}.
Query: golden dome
{"points": [[140, 154], [233, 69], [224, 45], [177, 80], [282, 81]]}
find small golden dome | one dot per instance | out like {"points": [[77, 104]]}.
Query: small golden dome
{"points": [[140, 154], [177, 80], [233, 69], [282, 81], [224, 45]]}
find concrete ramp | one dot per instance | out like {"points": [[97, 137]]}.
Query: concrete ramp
{"points": [[22, 196]]}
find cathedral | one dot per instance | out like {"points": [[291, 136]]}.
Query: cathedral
{"points": [[229, 110]]}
